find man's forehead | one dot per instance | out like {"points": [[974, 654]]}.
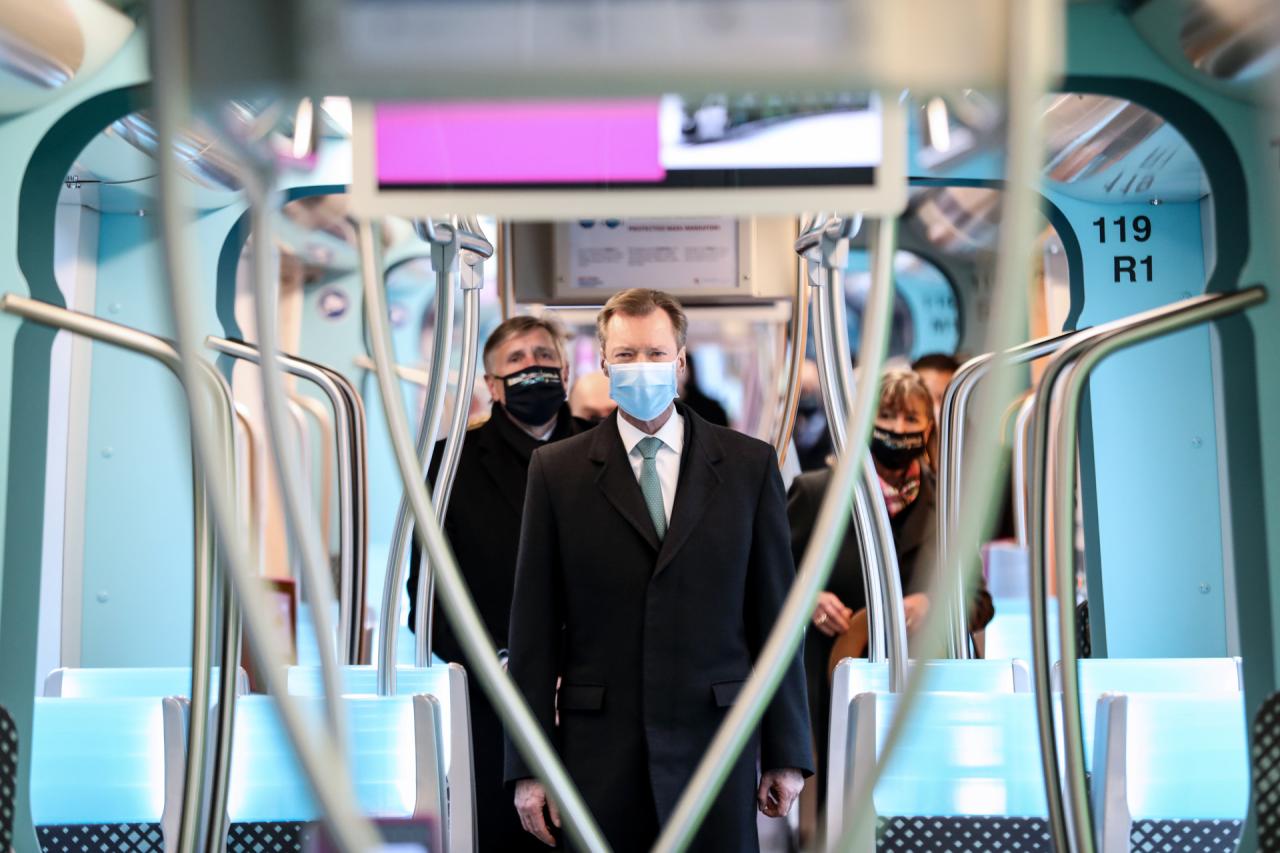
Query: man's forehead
{"points": [[532, 339], [629, 330]]}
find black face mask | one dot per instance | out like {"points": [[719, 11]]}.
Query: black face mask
{"points": [[896, 450], [808, 406], [534, 395]]}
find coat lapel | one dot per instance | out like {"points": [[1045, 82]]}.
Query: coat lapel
{"points": [[698, 482], [618, 482]]}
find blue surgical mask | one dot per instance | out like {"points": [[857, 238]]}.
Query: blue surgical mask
{"points": [[643, 389]]}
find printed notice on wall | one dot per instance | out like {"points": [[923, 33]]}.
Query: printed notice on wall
{"points": [[681, 255]]}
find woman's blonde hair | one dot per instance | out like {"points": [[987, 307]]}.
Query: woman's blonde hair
{"points": [[900, 390]]}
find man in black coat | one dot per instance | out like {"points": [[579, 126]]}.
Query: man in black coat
{"points": [[654, 559], [525, 372]]}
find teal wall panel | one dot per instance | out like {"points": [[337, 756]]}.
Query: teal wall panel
{"points": [[1153, 441]]}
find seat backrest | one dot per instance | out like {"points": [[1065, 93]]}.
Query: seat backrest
{"points": [[967, 763], [1178, 762], [1098, 676], [448, 683], [105, 682], [1008, 634], [854, 676], [100, 764], [395, 759]]}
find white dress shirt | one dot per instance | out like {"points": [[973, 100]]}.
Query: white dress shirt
{"points": [[667, 459]]}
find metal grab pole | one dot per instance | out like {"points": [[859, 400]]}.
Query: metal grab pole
{"points": [[799, 340], [323, 764], [872, 514], [348, 624], [360, 500], [815, 568], [837, 409], [317, 579], [444, 255], [476, 643], [471, 278], [198, 774], [1063, 383], [1022, 441], [951, 425]]}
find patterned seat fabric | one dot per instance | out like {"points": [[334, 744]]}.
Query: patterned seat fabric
{"points": [[95, 838], [919, 834], [8, 776], [1184, 836], [266, 837], [1266, 774]]}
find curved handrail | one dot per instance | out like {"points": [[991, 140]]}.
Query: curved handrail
{"points": [[323, 761], [799, 338], [471, 279], [444, 255], [815, 568], [349, 622], [315, 414], [198, 773], [360, 494], [1062, 386], [955, 408], [419, 376], [506, 699], [1022, 432]]}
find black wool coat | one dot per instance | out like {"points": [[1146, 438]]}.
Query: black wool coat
{"points": [[653, 639], [483, 525]]}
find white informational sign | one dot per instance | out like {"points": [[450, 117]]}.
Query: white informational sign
{"points": [[679, 255]]}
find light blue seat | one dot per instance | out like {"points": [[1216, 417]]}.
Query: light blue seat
{"points": [[395, 757], [448, 683], [103, 766], [969, 764], [104, 682], [1008, 634], [1171, 771], [853, 676], [1214, 676]]}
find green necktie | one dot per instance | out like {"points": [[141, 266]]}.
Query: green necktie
{"points": [[650, 485]]}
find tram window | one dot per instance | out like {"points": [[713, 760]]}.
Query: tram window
{"points": [[926, 317]]}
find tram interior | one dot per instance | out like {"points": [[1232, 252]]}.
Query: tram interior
{"points": [[1105, 468]]}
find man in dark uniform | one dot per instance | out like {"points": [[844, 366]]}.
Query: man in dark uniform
{"points": [[654, 560], [525, 372]]}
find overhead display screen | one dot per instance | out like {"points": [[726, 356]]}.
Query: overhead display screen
{"points": [[651, 156]]}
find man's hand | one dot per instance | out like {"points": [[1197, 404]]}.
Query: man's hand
{"points": [[531, 799], [916, 606], [778, 790], [830, 616]]}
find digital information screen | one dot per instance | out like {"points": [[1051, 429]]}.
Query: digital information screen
{"points": [[716, 155]]}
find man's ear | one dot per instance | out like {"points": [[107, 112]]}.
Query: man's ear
{"points": [[681, 361]]}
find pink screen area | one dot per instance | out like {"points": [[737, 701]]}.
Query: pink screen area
{"points": [[550, 142]]}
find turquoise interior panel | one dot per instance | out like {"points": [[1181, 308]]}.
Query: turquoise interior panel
{"points": [[1152, 437]]}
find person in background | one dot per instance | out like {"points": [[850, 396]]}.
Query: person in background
{"points": [[654, 561], [589, 398], [524, 369], [903, 448], [811, 435], [936, 370], [695, 398]]}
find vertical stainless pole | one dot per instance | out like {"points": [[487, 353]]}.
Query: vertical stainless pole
{"points": [[471, 278], [323, 764], [1022, 440], [444, 253], [520, 724], [799, 340]]}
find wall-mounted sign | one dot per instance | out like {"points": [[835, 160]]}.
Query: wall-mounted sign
{"points": [[679, 255]]}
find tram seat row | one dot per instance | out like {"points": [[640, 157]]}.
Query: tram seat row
{"points": [[1171, 768], [109, 770], [106, 682]]}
